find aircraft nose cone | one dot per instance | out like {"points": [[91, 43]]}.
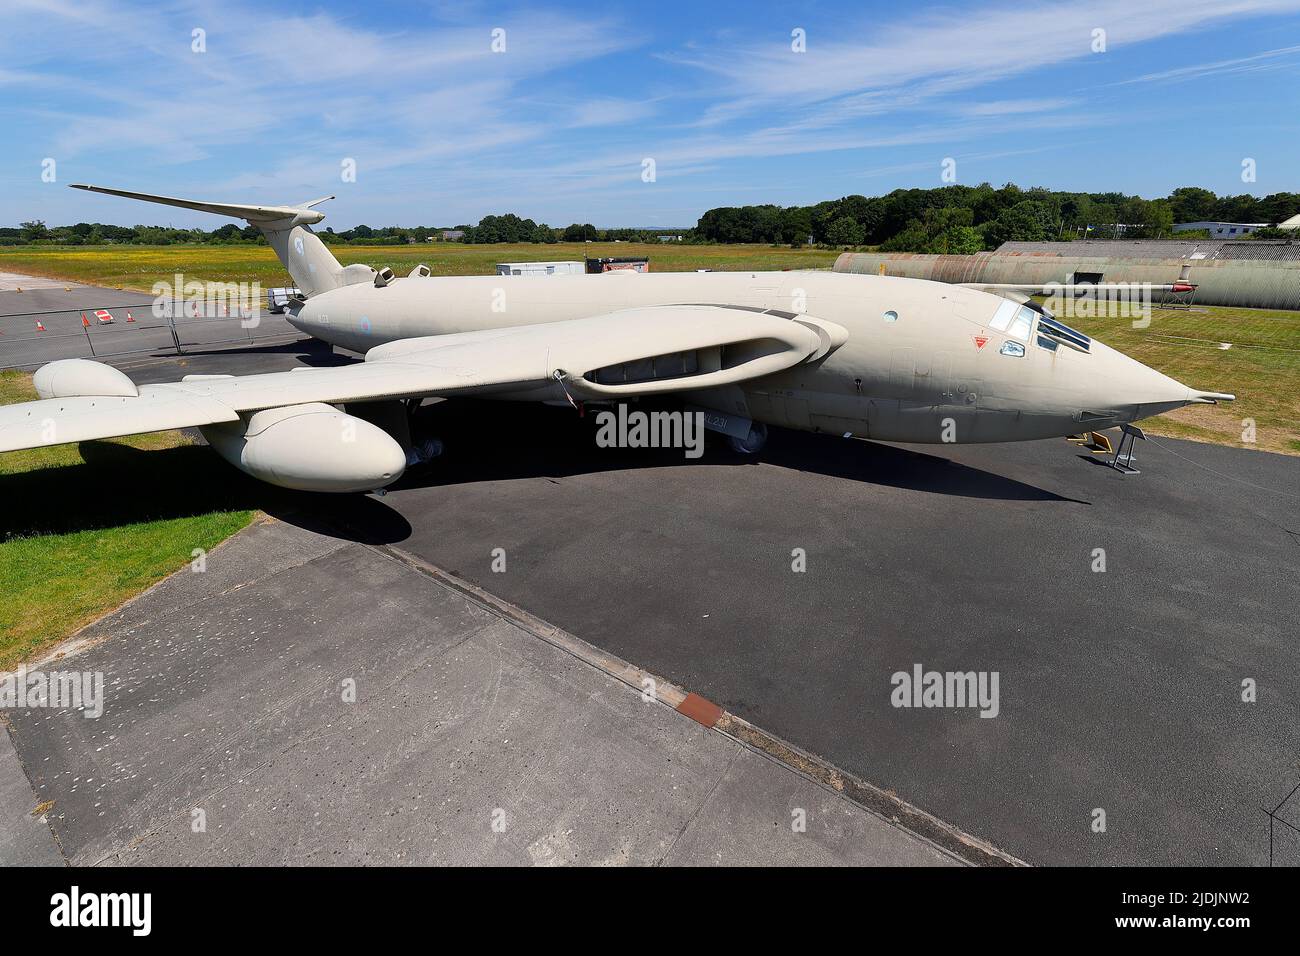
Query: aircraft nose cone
{"points": [[1132, 383], [1126, 383]]}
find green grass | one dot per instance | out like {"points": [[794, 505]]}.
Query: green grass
{"points": [[138, 267], [1262, 369], [77, 540]]}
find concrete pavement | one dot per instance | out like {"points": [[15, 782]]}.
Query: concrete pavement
{"points": [[1122, 689], [469, 739], [1122, 684], [59, 306]]}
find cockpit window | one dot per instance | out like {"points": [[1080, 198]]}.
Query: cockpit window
{"points": [[1055, 330], [1023, 322], [1013, 319], [1002, 317]]}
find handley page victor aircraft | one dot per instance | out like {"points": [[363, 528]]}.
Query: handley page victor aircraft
{"points": [[853, 355]]}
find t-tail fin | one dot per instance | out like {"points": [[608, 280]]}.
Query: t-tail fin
{"points": [[287, 228]]}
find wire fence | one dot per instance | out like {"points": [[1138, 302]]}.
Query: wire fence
{"points": [[114, 330]]}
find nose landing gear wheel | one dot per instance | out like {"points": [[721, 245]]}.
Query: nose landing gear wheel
{"points": [[752, 443]]}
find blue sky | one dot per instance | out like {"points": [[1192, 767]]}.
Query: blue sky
{"points": [[557, 126]]}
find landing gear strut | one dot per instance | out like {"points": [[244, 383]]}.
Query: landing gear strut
{"points": [[397, 417], [423, 452], [418, 451], [753, 442]]}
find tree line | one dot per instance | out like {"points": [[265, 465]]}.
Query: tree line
{"points": [[947, 219], [966, 219], [507, 228]]}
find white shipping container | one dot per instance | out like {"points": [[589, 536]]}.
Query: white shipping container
{"points": [[277, 299]]}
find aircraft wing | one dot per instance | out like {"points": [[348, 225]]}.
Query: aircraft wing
{"points": [[619, 354]]}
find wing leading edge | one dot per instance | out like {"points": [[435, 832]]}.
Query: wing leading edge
{"points": [[624, 353]]}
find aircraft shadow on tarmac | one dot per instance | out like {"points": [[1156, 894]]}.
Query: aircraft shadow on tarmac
{"points": [[119, 485], [487, 441], [309, 351]]}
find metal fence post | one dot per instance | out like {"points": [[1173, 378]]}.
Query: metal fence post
{"points": [[171, 324]]}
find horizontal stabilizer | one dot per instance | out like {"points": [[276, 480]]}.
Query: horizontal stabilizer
{"points": [[309, 263], [303, 213]]}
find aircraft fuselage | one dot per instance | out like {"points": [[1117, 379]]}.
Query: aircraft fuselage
{"points": [[924, 361]]}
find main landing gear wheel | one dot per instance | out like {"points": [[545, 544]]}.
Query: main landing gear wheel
{"points": [[423, 452], [752, 443]]}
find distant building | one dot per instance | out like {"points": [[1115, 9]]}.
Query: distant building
{"points": [[1221, 230], [670, 238], [453, 235], [540, 268], [1292, 223]]}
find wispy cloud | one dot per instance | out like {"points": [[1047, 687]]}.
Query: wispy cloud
{"points": [[440, 127], [948, 51], [1269, 59], [1017, 107]]}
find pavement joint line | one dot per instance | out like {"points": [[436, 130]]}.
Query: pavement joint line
{"points": [[83, 638], [881, 803], [6, 727], [877, 801], [699, 808]]}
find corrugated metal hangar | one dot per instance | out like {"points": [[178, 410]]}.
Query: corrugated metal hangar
{"points": [[1256, 273]]}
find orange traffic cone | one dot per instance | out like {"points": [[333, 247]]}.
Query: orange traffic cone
{"points": [[85, 322], [39, 327], [129, 316]]}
